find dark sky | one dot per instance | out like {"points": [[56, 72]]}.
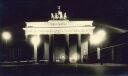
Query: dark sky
{"points": [[114, 12]]}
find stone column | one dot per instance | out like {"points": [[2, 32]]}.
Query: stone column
{"points": [[35, 54], [79, 48], [51, 48], [73, 48], [46, 47], [89, 50], [67, 49], [84, 48], [35, 48]]}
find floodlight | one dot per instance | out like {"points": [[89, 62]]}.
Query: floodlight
{"points": [[98, 37], [6, 36]]}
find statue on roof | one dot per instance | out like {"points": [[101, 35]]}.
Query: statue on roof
{"points": [[58, 15]]}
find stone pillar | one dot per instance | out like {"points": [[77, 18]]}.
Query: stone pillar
{"points": [[73, 48], [67, 49], [79, 48], [35, 54], [51, 48], [84, 48], [89, 49], [35, 48], [46, 47]]}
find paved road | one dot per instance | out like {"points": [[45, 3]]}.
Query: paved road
{"points": [[65, 70]]}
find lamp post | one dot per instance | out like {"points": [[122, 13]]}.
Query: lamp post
{"points": [[6, 36], [97, 39], [35, 40]]}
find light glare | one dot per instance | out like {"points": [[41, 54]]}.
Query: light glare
{"points": [[98, 37], [62, 57], [74, 58], [35, 40], [6, 35]]}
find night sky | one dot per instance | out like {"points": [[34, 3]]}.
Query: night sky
{"points": [[109, 13], [114, 12]]}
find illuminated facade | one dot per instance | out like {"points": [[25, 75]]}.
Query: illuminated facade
{"points": [[63, 40]]}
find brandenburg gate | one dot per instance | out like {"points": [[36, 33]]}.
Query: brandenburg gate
{"points": [[58, 31]]}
